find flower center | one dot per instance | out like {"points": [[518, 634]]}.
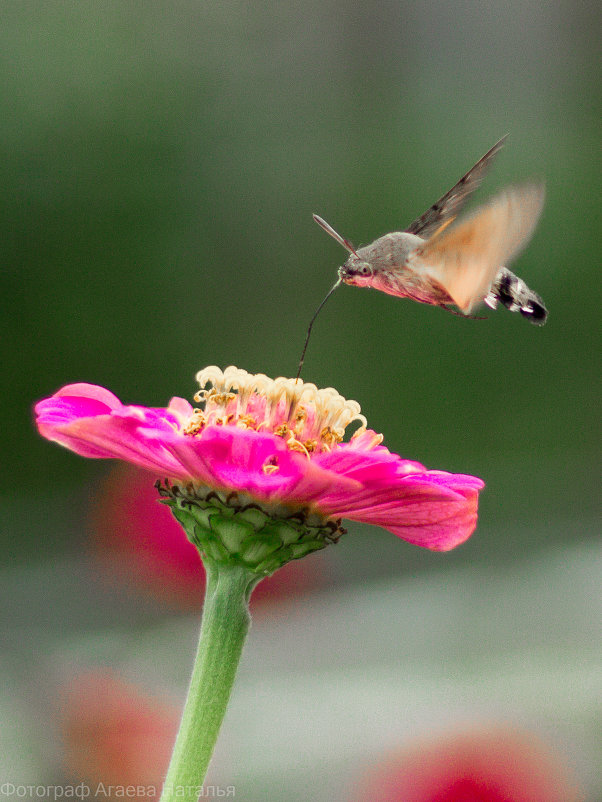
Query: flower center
{"points": [[309, 420]]}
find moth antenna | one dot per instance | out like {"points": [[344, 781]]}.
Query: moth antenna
{"points": [[311, 323], [330, 230]]}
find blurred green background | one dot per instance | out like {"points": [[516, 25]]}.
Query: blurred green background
{"points": [[160, 166]]}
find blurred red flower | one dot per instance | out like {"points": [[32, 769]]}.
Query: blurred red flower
{"points": [[481, 766], [114, 733]]}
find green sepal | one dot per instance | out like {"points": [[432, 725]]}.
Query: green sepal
{"points": [[256, 549], [246, 535], [233, 532], [256, 517]]}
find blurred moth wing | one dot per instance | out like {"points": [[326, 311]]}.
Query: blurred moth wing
{"points": [[464, 259]]}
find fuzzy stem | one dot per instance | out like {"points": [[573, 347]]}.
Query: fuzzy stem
{"points": [[224, 628]]}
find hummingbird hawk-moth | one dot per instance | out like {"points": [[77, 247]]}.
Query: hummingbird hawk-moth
{"points": [[459, 265]]}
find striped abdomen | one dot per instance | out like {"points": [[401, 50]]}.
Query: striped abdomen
{"points": [[513, 293]]}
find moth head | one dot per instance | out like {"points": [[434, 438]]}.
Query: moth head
{"points": [[356, 271]]}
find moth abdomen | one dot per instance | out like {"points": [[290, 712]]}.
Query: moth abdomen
{"points": [[512, 292], [535, 311]]}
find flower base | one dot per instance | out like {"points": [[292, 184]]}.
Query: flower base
{"points": [[232, 531]]}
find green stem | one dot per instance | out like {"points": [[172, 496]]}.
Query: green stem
{"points": [[223, 631]]}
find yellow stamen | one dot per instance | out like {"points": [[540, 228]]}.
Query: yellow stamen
{"points": [[331, 436], [196, 423], [296, 445], [246, 422]]}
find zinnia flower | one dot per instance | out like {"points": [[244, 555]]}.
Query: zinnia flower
{"points": [[259, 450]]}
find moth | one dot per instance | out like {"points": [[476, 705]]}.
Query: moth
{"points": [[453, 265]]}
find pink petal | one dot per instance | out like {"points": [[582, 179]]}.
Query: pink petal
{"points": [[93, 422], [180, 408], [375, 471], [72, 402], [119, 438], [433, 509], [89, 393], [228, 457], [430, 516]]}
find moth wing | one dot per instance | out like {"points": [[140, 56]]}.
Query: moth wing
{"points": [[465, 258], [450, 204]]}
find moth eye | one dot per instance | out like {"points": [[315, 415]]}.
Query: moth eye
{"points": [[365, 270]]}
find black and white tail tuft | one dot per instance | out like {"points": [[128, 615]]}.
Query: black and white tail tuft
{"points": [[513, 293]]}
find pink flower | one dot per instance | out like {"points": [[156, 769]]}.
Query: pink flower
{"points": [[277, 443]]}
